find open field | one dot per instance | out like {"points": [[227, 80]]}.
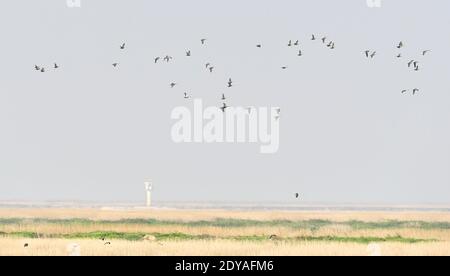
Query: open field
{"points": [[221, 232]]}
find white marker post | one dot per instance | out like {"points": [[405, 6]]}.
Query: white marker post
{"points": [[148, 189]]}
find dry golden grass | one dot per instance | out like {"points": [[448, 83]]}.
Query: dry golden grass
{"points": [[220, 245], [193, 215], [58, 247]]}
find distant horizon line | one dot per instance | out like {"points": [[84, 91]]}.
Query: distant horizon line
{"points": [[203, 204]]}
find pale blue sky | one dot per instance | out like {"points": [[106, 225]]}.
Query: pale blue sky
{"points": [[90, 132]]}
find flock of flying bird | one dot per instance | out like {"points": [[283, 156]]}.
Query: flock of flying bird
{"points": [[413, 64], [370, 54]]}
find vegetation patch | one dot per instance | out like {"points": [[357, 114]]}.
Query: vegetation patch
{"points": [[183, 236]]}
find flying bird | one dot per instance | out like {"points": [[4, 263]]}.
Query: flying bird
{"points": [[296, 43], [415, 90], [300, 53], [25, 245], [425, 52], [404, 91], [172, 85], [313, 37], [37, 68], [56, 66], [367, 53], [399, 55], [186, 96], [224, 106], [290, 43], [188, 53], [411, 62], [203, 40], [296, 195], [230, 83], [400, 45], [207, 65], [416, 64], [115, 64], [330, 44], [211, 69], [122, 46], [42, 70], [107, 243], [284, 67], [223, 97], [323, 39], [167, 58], [258, 46], [373, 54], [157, 59]]}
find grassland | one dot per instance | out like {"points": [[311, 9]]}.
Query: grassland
{"points": [[212, 232]]}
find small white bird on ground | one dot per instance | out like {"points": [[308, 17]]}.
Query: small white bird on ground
{"points": [[74, 249], [374, 249]]}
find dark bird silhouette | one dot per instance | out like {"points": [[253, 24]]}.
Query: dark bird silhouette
{"points": [[330, 44], [157, 59], [296, 195], [258, 46], [122, 46], [42, 70], [37, 68], [296, 43], [425, 52], [25, 245], [207, 65], [367, 53], [404, 91], [230, 83], [284, 67], [415, 91], [290, 43], [223, 97], [273, 237], [324, 39], [211, 69], [373, 54], [409, 63], [313, 37], [107, 243], [103, 238], [300, 53], [400, 45], [399, 55], [56, 66], [186, 96], [224, 106], [416, 68], [188, 53], [172, 85], [115, 64], [416, 64], [167, 58], [203, 40]]}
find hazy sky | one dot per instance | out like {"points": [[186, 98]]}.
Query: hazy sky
{"points": [[88, 131]]}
